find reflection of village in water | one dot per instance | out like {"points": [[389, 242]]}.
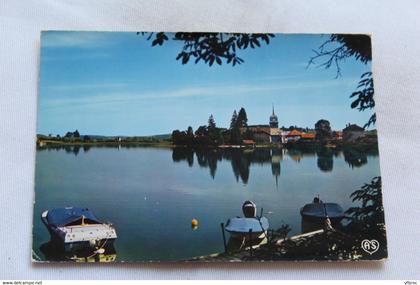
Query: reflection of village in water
{"points": [[241, 159]]}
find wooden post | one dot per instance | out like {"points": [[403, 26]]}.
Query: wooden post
{"points": [[222, 225], [250, 242]]}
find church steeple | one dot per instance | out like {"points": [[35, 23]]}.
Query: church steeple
{"points": [[274, 122]]}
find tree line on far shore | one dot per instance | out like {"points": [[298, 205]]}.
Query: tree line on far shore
{"points": [[211, 135]]}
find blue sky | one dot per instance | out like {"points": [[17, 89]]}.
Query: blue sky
{"points": [[107, 83]]}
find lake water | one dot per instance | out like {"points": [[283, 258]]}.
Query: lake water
{"points": [[152, 194]]}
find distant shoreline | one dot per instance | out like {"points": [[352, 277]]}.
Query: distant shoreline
{"points": [[45, 143]]}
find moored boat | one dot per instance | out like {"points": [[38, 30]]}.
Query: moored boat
{"points": [[53, 253], [252, 228], [318, 210], [249, 227], [75, 228]]}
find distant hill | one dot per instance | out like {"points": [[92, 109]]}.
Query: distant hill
{"points": [[162, 137], [100, 137]]}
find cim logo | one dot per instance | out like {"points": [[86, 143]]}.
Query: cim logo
{"points": [[370, 246]]}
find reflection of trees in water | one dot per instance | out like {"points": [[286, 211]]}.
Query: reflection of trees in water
{"points": [[325, 159], [363, 222], [354, 157], [183, 153], [240, 164], [70, 149], [242, 159], [208, 158], [325, 162], [75, 149]]}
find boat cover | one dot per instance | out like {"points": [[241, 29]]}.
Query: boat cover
{"points": [[60, 217], [249, 209], [243, 225], [317, 210]]}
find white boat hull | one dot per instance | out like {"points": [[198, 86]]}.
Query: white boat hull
{"points": [[248, 236], [77, 237], [247, 228]]}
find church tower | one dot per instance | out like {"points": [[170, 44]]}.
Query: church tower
{"points": [[274, 122]]}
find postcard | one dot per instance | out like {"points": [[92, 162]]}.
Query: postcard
{"points": [[206, 147]]}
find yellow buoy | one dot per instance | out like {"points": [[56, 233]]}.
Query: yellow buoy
{"points": [[194, 223]]}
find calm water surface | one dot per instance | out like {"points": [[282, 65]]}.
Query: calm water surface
{"points": [[151, 194]]}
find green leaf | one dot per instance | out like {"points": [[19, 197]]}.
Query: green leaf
{"points": [[355, 103]]}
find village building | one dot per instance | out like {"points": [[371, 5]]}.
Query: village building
{"points": [[261, 135], [338, 135], [352, 132], [271, 133], [266, 133], [274, 121], [308, 136], [275, 135], [293, 136]]}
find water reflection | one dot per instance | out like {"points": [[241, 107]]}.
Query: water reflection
{"points": [[180, 154], [76, 148], [355, 158], [176, 207], [242, 159], [276, 157], [325, 159]]}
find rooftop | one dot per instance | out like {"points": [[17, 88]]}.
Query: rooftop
{"points": [[353, 127]]}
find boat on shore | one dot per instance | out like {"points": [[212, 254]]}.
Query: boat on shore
{"points": [[55, 253], [250, 227], [319, 211], [74, 228]]}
